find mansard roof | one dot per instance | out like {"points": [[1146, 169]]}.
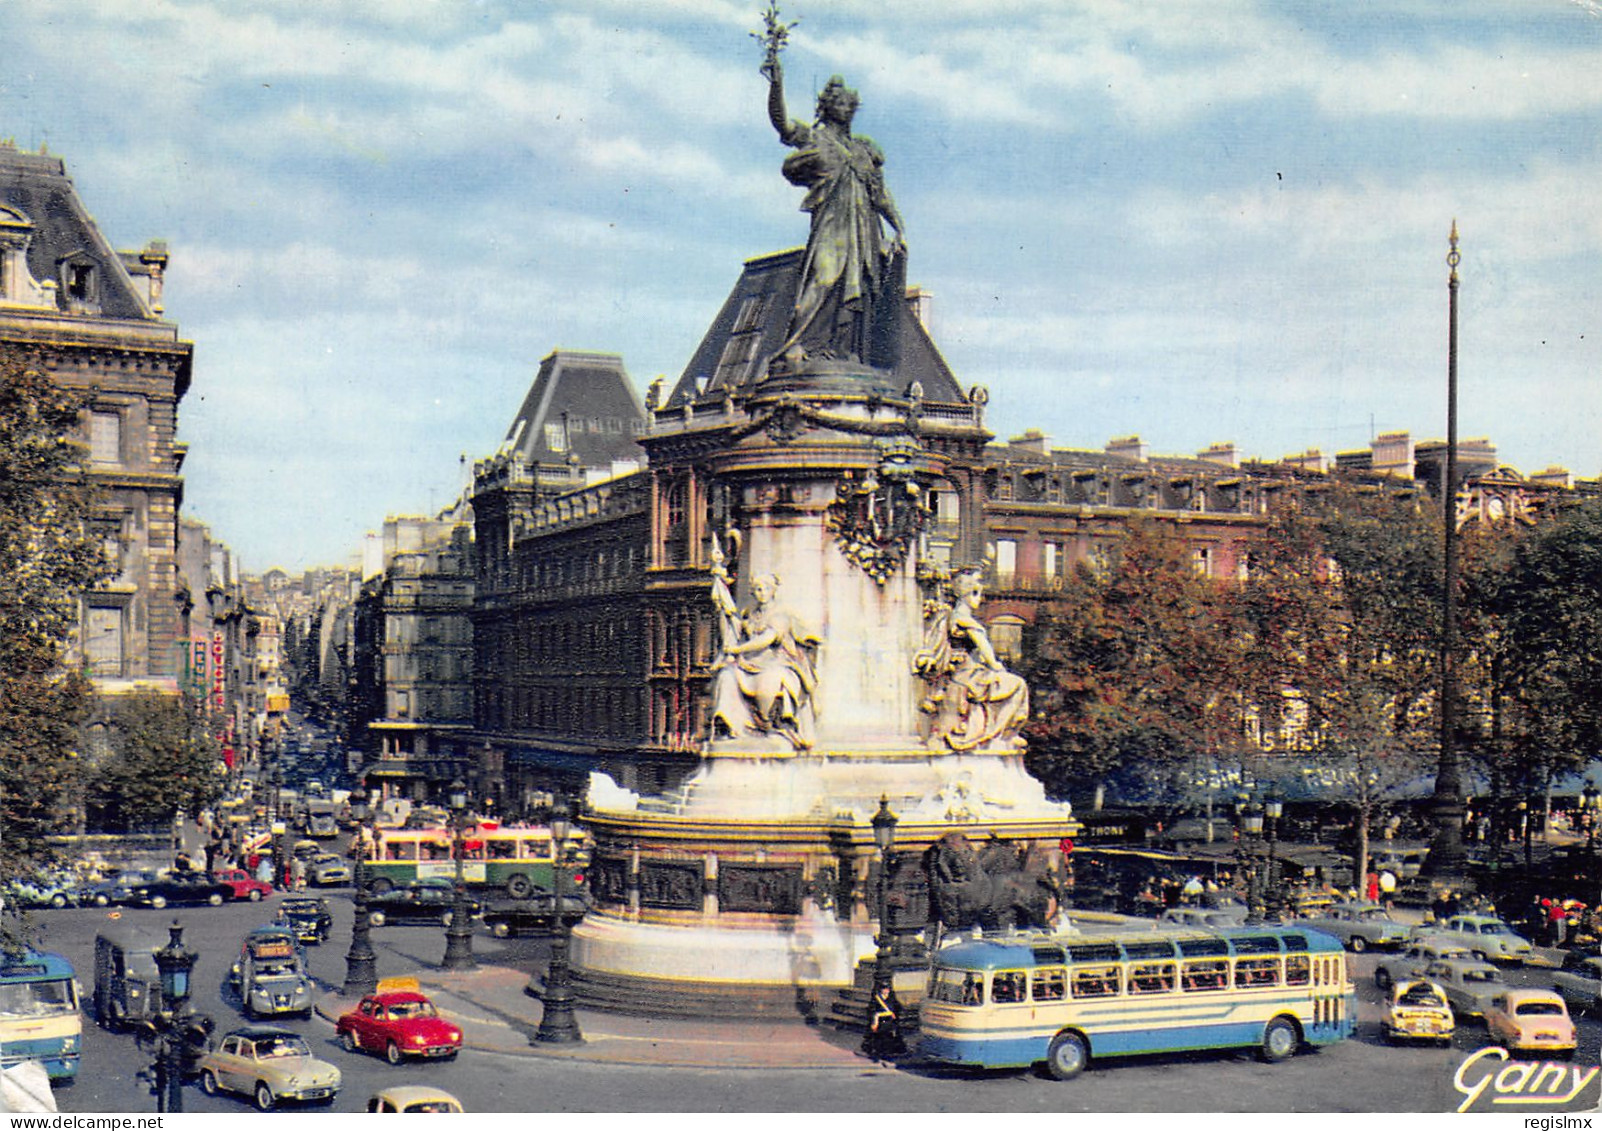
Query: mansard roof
{"points": [[36, 189], [581, 404], [751, 326]]}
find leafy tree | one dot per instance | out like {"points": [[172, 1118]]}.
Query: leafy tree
{"points": [[1533, 608], [1133, 668], [162, 759], [1343, 604], [49, 555]]}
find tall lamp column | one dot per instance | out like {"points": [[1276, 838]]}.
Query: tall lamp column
{"points": [[1273, 809], [1251, 823], [361, 964], [173, 1027], [883, 1037], [459, 935], [558, 1025]]}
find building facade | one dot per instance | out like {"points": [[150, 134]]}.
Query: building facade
{"points": [[92, 318]]}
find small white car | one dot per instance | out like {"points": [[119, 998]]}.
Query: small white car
{"points": [[1485, 936], [1469, 985], [1414, 959], [268, 1064]]}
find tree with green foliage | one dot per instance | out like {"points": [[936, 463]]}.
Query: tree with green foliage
{"points": [[1342, 604], [162, 759], [1533, 614], [1134, 669], [49, 555]]}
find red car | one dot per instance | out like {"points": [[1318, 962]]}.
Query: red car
{"points": [[398, 1024], [244, 884]]}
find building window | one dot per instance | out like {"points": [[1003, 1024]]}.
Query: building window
{"points": [[103, 640], [105, 438], [1006, 636], [1052, 562], [1006, 560], [556, 437], [1202, 559], [81, 282]]}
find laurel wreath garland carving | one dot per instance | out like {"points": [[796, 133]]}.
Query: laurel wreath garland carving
{"points": [[876, 521]]}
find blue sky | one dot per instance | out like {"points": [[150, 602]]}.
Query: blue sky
{"points": [[1196, 222]]}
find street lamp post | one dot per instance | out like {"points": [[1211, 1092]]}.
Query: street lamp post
{"points": [[1591, 805], [361, 964], [558, 1025], [174, 1033], [459, 935], [1251, 822], [883, 1038], [1273, 809]]}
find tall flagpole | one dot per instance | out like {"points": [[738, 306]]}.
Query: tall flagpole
{"points": [[1446, 851]]}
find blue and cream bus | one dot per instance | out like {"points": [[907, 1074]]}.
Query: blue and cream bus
{"points": [[1018, 1000], [39, 1018]]}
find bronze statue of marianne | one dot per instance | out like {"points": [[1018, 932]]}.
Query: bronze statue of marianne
{"points": [[852, 277]]}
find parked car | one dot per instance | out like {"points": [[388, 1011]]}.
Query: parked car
{"points": [[1418, 1011], [181, 888], [413, 1098], [271, 975], [115, 889], [398, 1024], [533, 915], [308, 916], [268, 1064], [326, 869], [41, 891], [1486, 936], [422, 901], [244, 884], [1579, 981], [1468, 983], [1530, 1020], [1185, 918], [1415, 958], [1358, 925]]}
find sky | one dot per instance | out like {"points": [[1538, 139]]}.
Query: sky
{"points": [[1199, 221]]}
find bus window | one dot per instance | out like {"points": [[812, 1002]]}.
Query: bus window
{"points": [[959, 987], [400, 849], [502, 849], [539, 849], [1202, 975], [1297, 970], [1095, 981], [1251, 972], [1049, 983], [1007, 986], [472, 850], [435, 850], [1151, 978]]}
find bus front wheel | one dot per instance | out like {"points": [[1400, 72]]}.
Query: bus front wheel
{"points": [[380, 886], [1281, 1039], [519, 886], [1067, 1056]]}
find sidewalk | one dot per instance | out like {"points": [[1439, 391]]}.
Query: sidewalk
{"points": [[495, 1014]]}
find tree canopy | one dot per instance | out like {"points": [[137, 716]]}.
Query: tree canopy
{"points": [[49, 555]]}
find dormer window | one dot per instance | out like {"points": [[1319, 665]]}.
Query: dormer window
{"points": [[79, 282]]}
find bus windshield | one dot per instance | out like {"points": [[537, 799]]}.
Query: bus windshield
{"points": [[53, 998]]}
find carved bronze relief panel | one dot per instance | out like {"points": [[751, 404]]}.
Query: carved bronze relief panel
{"points": [[760, 887]]}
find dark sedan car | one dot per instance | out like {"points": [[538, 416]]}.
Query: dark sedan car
{"points": [[424, 901], [116, 889], [534, 915], [308, 916], [182, 888]]}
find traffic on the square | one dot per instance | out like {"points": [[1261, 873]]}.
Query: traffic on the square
{"points": [[1049, 631]]}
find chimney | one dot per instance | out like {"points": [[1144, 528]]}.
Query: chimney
{"points": [[1032, 441], [1224, 455], [922, 303], [1310, 460], [1129, 447]]}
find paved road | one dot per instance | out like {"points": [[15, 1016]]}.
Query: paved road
{"points": [[1356, 1076]]}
